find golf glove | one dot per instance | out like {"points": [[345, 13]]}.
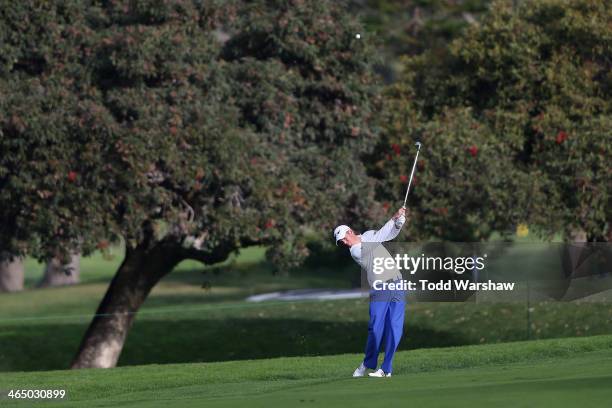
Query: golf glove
{"points": [[399, 222]]}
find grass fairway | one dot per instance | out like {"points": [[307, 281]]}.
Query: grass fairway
{"points": [[182, 322], [559, 372]]}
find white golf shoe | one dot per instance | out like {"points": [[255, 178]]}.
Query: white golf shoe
{"points": [[360, 371], [379, 373]]}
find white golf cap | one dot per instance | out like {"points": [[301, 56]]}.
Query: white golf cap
{"points": [[340, 232]]}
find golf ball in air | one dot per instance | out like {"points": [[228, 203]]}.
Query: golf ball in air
{"points": [[358, 36]]}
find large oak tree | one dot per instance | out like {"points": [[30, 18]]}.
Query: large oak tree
{"points": [[187, 129]]}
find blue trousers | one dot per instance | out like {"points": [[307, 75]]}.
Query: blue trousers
{"points": [[386, 327]]}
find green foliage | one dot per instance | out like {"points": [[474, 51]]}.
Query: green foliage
{"points": [[118, 118], [535, 85], [411, 27], [464, 188], [305, 88]]}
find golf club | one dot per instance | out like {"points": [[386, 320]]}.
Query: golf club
{"points": [[418, 145]]}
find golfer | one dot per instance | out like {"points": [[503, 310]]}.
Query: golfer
{"points": [[386, 323]]}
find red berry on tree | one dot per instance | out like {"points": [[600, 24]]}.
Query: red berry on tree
{"points": [[72, 176], [102, 244], [561, 137], [441, 211], [473, 150], [396, 148], [404, 178], [288, 120]]}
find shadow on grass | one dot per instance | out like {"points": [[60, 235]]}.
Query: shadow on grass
{"points": [[50, 347], [196, 299]]}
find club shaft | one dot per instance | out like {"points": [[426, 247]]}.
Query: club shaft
{"points": [[411, 175]]}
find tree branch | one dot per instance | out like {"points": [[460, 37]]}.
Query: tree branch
{"points": [[218, 254], [207, 257]]}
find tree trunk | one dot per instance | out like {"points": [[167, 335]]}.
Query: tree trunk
{"points": [[58, 274], [572, 250], [11, 274], [140, 271], [558, 287]]}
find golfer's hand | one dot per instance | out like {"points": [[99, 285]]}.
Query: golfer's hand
{"points": [[399, 213]]}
